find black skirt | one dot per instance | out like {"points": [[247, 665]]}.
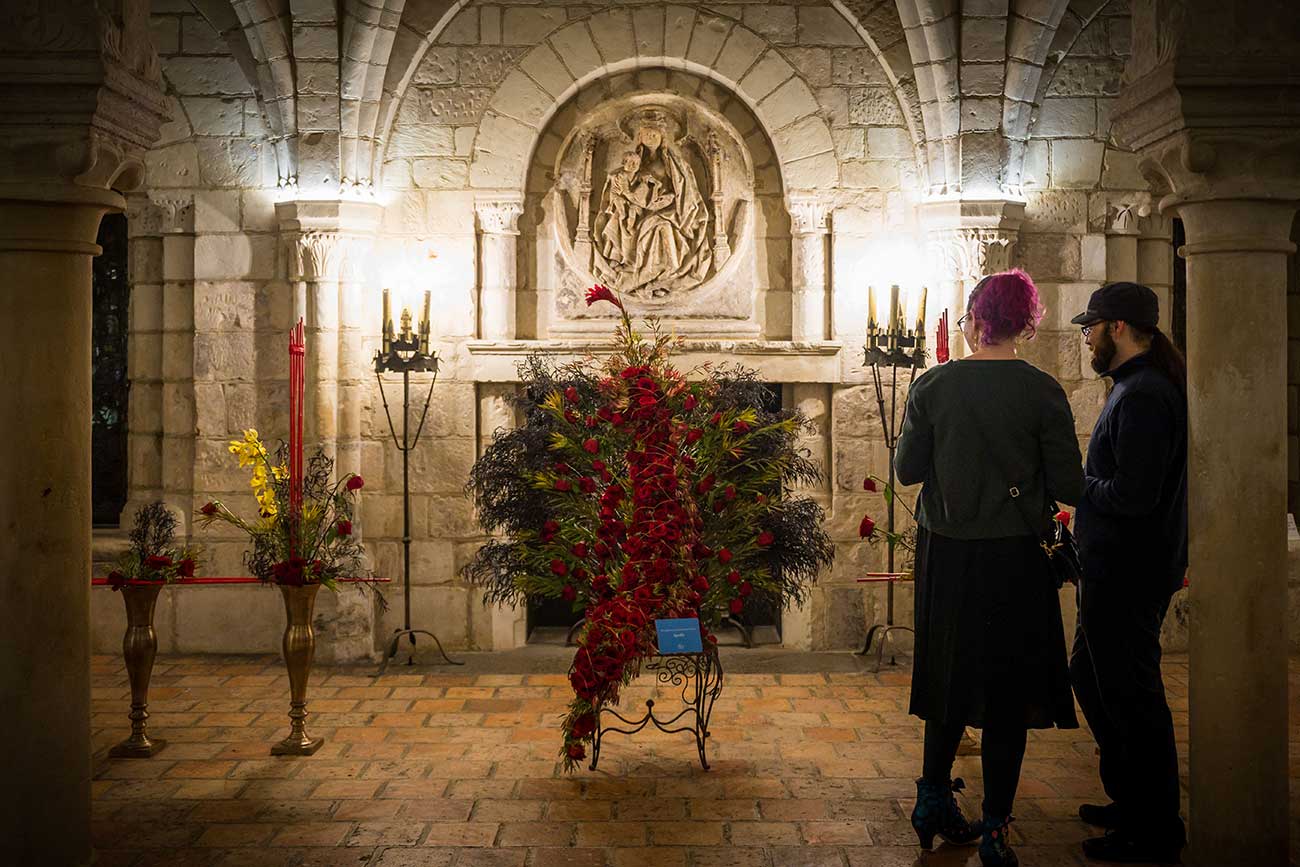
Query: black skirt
{"points": [[990, 645]]}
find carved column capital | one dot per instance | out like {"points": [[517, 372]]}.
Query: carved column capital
{"points": [[499, 214], [175, 212], [317, 256], [83, 98], [969, 254], [809, 215]]}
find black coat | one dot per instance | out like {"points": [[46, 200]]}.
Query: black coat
{"points": [[1131, 522]]}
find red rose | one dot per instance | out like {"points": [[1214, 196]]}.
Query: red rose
{"points": [[700, 583], [571, 394], [355, 483], [729, 492], [690, 403], [719, 506], [558, 567], [587, 485], [563, 469], [746, 588], [766, 538], [600, 292], [617, 419], [209, 509], [1062, 517], [693, 435], [724, 555], [716, 419], [598, 465], [590, 446], [736, 606], [867, 527], [733, 577], [563, 485], [343, 528], [704, 484], [869, 484], [116, 580], [186, 568], [584, 726], [576, 752], [568, 593], [157, 563], [570, 416], [551, 527], [740, 427], [580, 549]]}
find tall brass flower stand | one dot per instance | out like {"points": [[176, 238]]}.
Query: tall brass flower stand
{"points": [[299, 647], [139, 647]]}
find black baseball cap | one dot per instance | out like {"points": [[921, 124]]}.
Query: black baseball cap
{"points": [[1129, 302]]}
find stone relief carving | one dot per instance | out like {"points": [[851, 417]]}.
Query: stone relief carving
{"points": [[969, 254], [650, 196]]}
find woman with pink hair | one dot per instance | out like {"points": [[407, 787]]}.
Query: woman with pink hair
{"points": [[991, 439]]}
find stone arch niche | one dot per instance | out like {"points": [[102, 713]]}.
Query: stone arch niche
{"points": [[663, 185]]}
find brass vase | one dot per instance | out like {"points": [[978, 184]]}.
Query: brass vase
{"points": [[299, 646], [139, 647]]}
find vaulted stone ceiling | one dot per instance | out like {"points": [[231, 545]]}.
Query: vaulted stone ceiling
{"points": [[329, 77]]}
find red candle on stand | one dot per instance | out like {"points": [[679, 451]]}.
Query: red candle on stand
{"points": [[297, 390], [941, 354]]}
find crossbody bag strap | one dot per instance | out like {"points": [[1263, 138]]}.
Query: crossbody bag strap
{"points": [[1012, 490]]}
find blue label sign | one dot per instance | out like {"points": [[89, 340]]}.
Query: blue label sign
{"points": [[681, 635]]}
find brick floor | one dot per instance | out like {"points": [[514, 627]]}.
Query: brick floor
{"points": [[429, 766]]}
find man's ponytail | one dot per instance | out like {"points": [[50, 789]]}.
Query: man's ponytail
{"points": [[1165, 357]]}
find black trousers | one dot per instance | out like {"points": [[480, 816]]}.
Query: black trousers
{"points": [[1115, 669]]}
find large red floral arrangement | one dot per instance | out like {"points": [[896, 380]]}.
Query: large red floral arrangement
{"points": [[636, 492]]}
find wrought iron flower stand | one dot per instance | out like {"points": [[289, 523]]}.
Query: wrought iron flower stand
{"points": [[698, 675]]}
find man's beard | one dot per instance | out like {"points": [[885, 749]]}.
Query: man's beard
{"points": [[1103, 352]]}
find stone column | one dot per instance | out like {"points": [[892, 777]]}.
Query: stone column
{"points": [[809, 228], [496, 412], [1155, 263], [83, 100], [326, 243], [1236, 347], [498, 218], [178, 408], [144, 355]]}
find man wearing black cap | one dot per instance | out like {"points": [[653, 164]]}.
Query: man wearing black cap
{"points": [[1131, 525]]}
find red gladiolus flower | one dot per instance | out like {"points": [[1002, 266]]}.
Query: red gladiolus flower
{"points": [[356, 483], [690, 403], [869, 484], [693, 435], [571, 394], [186, 568], [568, 593], [736, 606], [590, 446], [724, 555], [559, 568], [577, 752], [1062, 517], [600, 292], [766, 538], [209, 509], [733, 577], [867, 527], [563, 485], [343, 528]]}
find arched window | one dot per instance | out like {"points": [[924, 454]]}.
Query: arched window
{"points": [[110, 386]]}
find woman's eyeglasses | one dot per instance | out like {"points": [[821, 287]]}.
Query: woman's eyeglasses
{"points": [[961, 323]]}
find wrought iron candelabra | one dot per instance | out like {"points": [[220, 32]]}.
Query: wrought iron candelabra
{"points": [[893, 347], [406, 352]]}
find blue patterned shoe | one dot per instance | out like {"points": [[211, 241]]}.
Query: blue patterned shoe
{"points": [[936, 813]]}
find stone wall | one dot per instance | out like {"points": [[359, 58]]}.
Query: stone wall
{"points": [[228, 250]]}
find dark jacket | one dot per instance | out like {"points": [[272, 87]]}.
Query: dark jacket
{"points": [[973, 429], [1132, 521]]}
